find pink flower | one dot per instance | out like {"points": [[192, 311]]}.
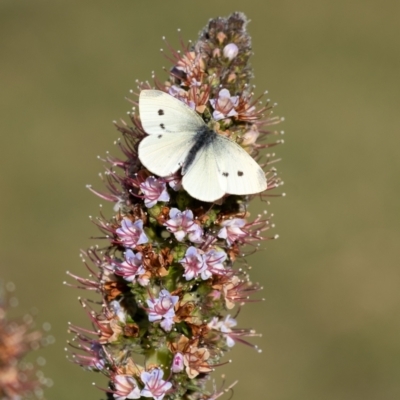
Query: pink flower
{"points": [[163, 309], [175, 183], [182, 224], [224, 326], [154, 190], [251, 136], [224, 105], [213, 261], [131, 267], [154, 385], [126, 387], [197, 263], [232, 230], [131, 233], [193, 263], [181, 95]]}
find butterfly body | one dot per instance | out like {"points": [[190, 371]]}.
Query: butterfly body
{"points": [[202, 140], [212, 165]]}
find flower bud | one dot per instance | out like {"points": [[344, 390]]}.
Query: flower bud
{"points": [[231, 51], [177, 364]]}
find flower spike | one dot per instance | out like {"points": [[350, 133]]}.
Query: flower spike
{"points": [[171, 273]]}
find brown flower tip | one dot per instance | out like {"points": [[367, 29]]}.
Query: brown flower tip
{"points": [[225, 45]]}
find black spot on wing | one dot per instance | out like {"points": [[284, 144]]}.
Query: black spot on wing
{"points": [[162, 126], [240, 173], [160, 112], [159, 136], [225, 174]]}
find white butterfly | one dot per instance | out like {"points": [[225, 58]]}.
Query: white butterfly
{"points": [[212, 165]]}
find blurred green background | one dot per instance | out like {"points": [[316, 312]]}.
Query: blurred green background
{"points": [[330, 320]]}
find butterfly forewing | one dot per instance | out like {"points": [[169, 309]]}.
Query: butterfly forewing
{"points": [[171, 126], [162, 113], [164, 154]]}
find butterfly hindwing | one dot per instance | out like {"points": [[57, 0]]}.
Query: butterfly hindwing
{"points": [[162, 113], [238, 172], [201, 178]]}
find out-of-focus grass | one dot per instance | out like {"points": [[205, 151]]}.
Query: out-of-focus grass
{"points": [[331, 315]]}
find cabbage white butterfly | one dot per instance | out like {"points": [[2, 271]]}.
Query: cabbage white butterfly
{"points": [[212, 165]]}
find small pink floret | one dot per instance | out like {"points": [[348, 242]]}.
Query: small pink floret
{"points": [[154, 385]]}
